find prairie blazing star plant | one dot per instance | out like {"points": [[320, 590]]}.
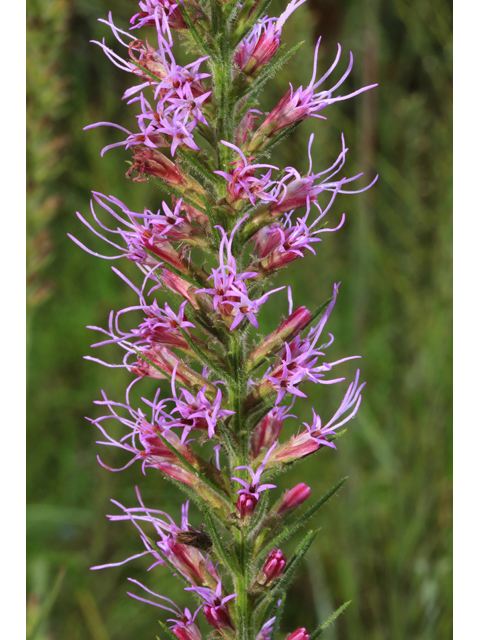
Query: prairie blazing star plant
{"points": [[231, 222]]}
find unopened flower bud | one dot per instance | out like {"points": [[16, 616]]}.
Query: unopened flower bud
{"points": [[268, 239], [246, 127], [246, 504], [187, 632], [218, 617], [267, 430], [298, 634], [287, 330], [180, 286], [293, 498], [150, 162], [272, 568], [177, 473]]}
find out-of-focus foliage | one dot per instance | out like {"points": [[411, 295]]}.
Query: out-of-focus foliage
{"points": [[47, 30], [385, 542]]}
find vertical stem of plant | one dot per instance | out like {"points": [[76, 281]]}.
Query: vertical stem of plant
{"points": [[223, 80]]}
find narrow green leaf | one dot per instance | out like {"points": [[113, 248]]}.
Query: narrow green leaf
{"points": [[299, 522], [278, 617], [271, 70], [167, 630], [254, 528], [319, 310], [199, 41], [284, 582], [205, 172], [174, 191], [221, 550], [47, 605], [173, 269], [319, 630], [172, 567], [206, 359], [202, 477]]}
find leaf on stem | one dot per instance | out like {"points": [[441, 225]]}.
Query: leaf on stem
{"points": [[299, 522], [319, 630]]}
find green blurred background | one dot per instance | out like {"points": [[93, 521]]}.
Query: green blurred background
{"points": [[385, 541]]}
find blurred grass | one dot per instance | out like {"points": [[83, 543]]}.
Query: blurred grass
{"points": [[385, 541]]}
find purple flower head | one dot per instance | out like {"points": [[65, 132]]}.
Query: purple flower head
{"points": [[154, 12], [351, 399], [183, 626], [186, 105], [188, 560], [268, 429], [215, 609], [164, 319], [273, 567], [296, 362], [243, 184], [143, 244], [230, 294], [293, 190], [260, 45], [146, 435], [298, 634], [266, 631], [197, 412], [254, 488], [299, 105]]}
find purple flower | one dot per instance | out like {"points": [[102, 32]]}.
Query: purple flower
{"points": [[180, 132], [188, 560], [229, 286], [197, 412], [146, 435], [242, 184], [266, 631], [297, 361], [215, 609], [260, 45], [153, 12], [351, 399], [298, 105], [254, 488], [183, 626]]}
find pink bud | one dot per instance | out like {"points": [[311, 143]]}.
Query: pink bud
{"points": [[177, 473], [287, 330], [150, 162], [272, 568], [180, 286], [187, 632], [218, 617], [297, 447], [245, 127], [246, 504], [298, 634], [268, 430], [293, 498], [268, 239]]}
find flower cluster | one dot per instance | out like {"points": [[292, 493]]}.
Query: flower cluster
{"points": [[215, 424]]}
